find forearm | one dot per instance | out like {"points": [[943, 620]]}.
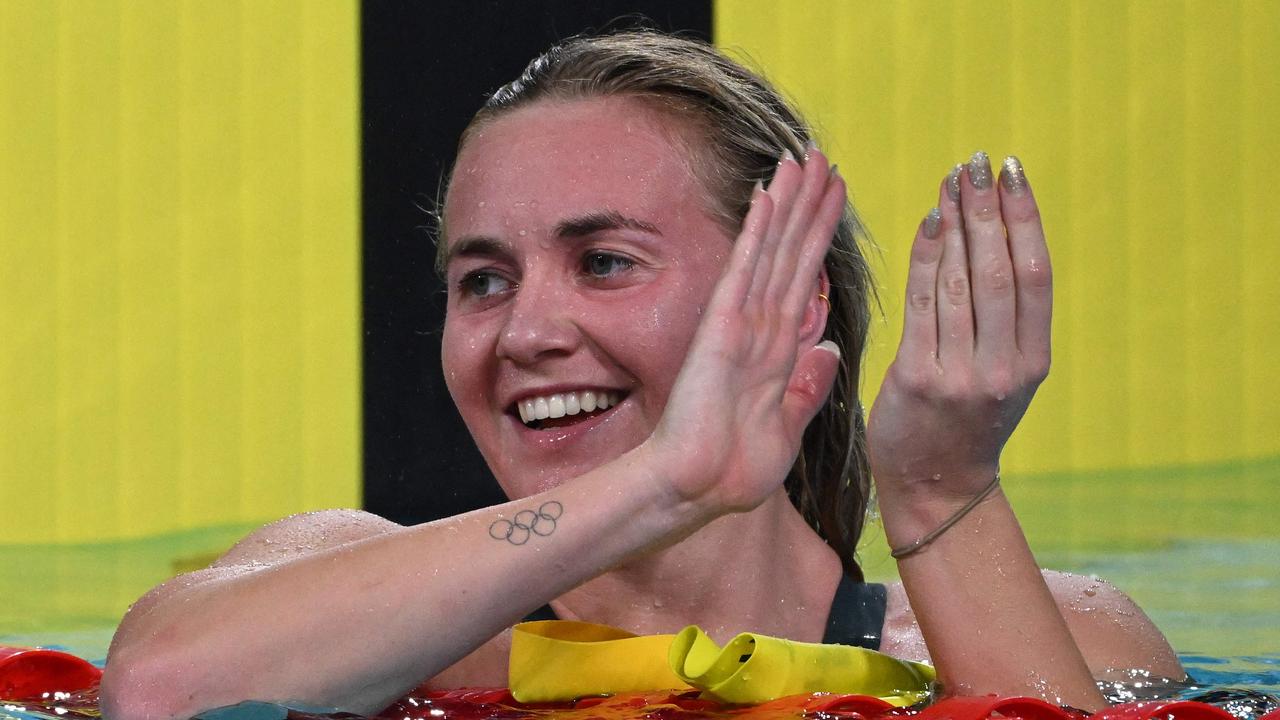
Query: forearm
{"points": [[356, 626], [988, 618]]}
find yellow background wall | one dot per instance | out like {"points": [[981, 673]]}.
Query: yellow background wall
{"points": [[179, 245], [1148, 132], [179, 278]]}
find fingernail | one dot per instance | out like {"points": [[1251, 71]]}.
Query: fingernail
{"points": [[810, 146], [1013, 177], [953, 183], [759, 188], [834, 171], [980, 170], [830, 347], [786, 155], [932, 223]]}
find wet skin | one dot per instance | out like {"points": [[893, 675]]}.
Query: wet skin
{"points": [[581, 255], [582, 258]]}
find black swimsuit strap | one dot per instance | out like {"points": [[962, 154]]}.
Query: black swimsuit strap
{"points": [[857, 614], [543, 613]]}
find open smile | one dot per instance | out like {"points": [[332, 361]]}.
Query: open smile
{"points": [[542, 412]]}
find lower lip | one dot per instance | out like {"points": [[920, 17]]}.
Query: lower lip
{"points": [[556, 436]]}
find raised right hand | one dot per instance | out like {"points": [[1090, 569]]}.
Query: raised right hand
{"points": [[750, 384]]}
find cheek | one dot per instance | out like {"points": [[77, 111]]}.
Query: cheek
{"points": [[658, 336], [461, 351]]}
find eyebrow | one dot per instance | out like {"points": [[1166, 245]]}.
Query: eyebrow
{"points": [[574, 227], [605, 220]]}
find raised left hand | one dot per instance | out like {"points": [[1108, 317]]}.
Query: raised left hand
{"points": [[975, 341]]}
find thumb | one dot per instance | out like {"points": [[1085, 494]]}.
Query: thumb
{"points": [[810, 384]]}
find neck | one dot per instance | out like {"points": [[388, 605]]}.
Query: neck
{"points": [[764, 571]]}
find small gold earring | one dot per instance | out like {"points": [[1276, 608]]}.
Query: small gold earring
{"points": [[826, 300]]}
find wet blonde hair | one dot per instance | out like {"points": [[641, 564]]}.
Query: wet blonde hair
{"points": [[741, 126]]}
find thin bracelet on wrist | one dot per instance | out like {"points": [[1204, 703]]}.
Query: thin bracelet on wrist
{"points": [[905, 550]]}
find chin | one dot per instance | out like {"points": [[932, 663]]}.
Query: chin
{"points": [[525, 481]]}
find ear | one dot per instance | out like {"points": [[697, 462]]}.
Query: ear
{"points": [[816, 311]]}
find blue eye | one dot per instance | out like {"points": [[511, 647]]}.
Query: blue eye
{"points": [[482, 284], [603, 265]]}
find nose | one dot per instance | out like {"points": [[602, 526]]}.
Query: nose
{"points": [[539, 324]]}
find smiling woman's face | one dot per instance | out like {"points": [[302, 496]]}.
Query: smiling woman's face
{"points": [[580, 255]]}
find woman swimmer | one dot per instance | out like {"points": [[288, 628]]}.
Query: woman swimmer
{"points": [[614, 270]]}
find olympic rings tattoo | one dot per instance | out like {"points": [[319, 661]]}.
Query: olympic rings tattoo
{"points": [[528, 523]]}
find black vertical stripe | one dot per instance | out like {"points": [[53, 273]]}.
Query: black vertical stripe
{"points": [[426, 68]]}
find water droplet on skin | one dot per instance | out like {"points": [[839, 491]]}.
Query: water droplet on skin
{"points": [[522, 233]]}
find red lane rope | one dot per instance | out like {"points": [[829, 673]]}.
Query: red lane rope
{"points": [[32, 674]]}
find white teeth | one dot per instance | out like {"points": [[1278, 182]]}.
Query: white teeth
{"points": [[556, 405], [562, 404]]}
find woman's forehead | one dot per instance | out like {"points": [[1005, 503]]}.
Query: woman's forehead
{"points": [[576, 155]]}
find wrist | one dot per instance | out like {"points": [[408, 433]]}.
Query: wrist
{"points": [[668, 487], [911, 508]]}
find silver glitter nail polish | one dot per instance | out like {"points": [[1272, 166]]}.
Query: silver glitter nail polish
{"points": [[980, 170], [932, 223], [953, 183], [1013, 177]]}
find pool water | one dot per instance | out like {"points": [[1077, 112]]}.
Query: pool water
{"points": [[1217, 601], [1246, 687]]}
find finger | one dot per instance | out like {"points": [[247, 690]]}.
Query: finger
{"points": [[820, 234], [955, 305], [1032, 274], [920, 316], [990, 266], [735, 285], [782, 190], [810, 385], [813, 186]]}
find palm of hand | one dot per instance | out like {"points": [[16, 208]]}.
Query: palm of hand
{"points": [[975, 342], [750, 383]]}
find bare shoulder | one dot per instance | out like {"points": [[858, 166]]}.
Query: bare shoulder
{"points": [[1113, 633], [901, 635], [269, 545], [303, 534]]}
